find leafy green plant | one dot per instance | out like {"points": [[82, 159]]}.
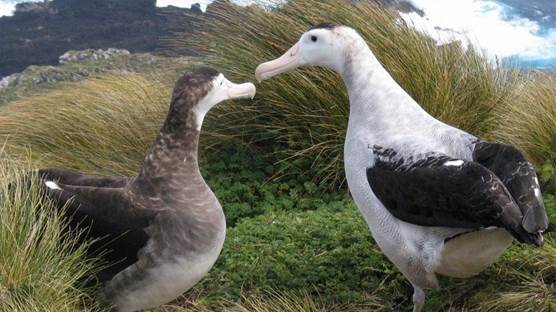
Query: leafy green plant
{"points": [[242, 181], [328, 254]]}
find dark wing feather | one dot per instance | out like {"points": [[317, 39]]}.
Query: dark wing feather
{"points": [[519, 176], [109, 218], [69, 177], [423, 190]]}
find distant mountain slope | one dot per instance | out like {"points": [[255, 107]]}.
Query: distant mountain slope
{"points": [[39, 33], [86, 64]]}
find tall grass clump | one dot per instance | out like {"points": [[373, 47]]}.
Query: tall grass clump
{"points": [[529, 120], [40, 267], [283, 301], [102, 126], [270, 301], [307, 111], [531, 281]]}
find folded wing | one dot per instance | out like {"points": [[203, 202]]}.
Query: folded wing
{"points": [[519, 176], [435, 190], [117, 227]]}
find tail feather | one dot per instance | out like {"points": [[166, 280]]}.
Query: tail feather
{"points": [[532, 238], [523, 236], [550, 229]]}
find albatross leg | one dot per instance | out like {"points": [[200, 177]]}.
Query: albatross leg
{"points": [[418, 299]]}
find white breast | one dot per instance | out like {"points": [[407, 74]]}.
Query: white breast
{"points": [[166, 282], [469, 254]]}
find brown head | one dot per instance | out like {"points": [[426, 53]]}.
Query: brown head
{"points": [[175, 147], [197, 92]]}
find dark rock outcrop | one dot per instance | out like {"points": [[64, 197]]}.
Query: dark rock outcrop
{"points": [[90, 55], [39, 33]]}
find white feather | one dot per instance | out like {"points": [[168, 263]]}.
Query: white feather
{"points": [[52, 185], [454, 163]]}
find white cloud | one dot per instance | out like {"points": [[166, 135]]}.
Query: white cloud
{"points": [[6, 9], [484, 24]]}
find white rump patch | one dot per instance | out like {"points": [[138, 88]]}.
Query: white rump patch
{"points": [[52, 185], [538, 192], [454, 163]]}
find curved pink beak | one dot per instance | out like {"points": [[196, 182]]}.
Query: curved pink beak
{"points": [[284, 63]]}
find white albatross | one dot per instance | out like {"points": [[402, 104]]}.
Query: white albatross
{"points": [[437, 199]]}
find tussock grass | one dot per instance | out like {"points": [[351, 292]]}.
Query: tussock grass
{"points": [[286, 302], [533, 279], [531, 295], [40, 268], [306, 111], [101, 126], [270, 301], [529, 120]]}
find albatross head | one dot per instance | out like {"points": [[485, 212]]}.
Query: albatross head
{"points": [[200, 90], [323, 45]]}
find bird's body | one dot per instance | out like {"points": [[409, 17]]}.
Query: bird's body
{"points": [[162, 230], [386, 116], [437, 199]]}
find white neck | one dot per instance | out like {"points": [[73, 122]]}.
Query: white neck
{"points": [[376, 99]]}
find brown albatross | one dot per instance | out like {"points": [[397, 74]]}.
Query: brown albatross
{"points": [[165, 226]]}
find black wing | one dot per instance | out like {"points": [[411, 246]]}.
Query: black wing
{"points": [[436, 190], [69, 177], [519, 176], [109, 218]]}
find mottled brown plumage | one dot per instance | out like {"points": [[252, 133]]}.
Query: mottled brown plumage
{"points": [[165, 227]]}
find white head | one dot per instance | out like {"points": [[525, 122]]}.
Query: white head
{"points": [[325, 45]]}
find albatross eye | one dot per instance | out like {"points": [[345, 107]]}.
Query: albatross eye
{"points": [[314, 38]]}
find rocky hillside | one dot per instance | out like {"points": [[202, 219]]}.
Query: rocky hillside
{"points": [[84, 64], [39, 33]]}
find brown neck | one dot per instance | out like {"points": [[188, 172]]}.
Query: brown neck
{"points": [[173, 155]]}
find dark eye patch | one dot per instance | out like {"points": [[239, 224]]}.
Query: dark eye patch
{"points": [[314, 38]]}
